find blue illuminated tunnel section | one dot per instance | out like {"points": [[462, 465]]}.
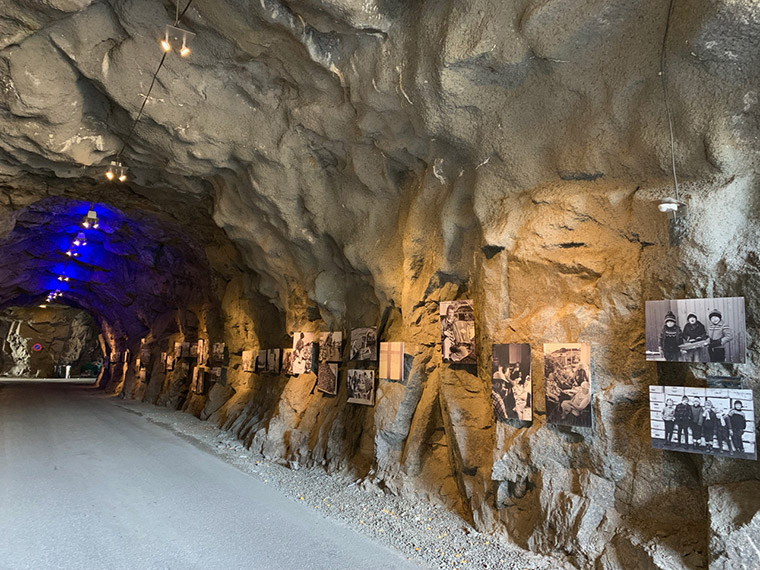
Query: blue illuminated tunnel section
{"points": [[131, 269]]}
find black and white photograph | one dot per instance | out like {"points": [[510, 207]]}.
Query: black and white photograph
{"points": [[194, 350], [696, 330], [391, 361], [287, 361], [567, 382], [364, 344], [511, 383], [303, 352], [169, 362], [361, 387], [197, 385], [273, 360], [163, 361], [248, 361], [327, 378], [331, 346], [709, 421], [217, 352], [144, 352], [203, 351], [458, 332], [217, 374], [261, 361]]}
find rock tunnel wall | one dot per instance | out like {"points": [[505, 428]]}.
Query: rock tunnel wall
{"points": [[65, 337], [573, 261], [363, 162]]}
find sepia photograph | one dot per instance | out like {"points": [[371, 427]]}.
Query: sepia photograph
{"points": [[169, 362], [708, 421], [303, 352], [261, 361], [364, 344], [203, 350], [458, 332], [217, 374], [567, 382], [511, 384], [330, 346], [391, 361], [217, 352], [327, 378], [287, 361], [361, 387], [273, 360], [248, 361], [696, 330]]}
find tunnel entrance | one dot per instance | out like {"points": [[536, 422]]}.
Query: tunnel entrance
{"points": [[49, 341]]}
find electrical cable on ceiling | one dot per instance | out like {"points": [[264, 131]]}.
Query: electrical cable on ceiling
{"points": [[663, 78], [178, 17]]}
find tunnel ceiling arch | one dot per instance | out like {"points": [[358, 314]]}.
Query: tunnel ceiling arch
{"points": [[132, 269]]}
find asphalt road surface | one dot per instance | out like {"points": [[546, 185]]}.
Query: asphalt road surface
{"points": [[86, 484]]}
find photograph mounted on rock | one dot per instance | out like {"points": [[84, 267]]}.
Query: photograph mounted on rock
{"points": [[511, 383], [303, 352], [361, 387], [273, 360], [696, 330], [287, 361], [363, 344], [567, 381], [331, 346], [248, 361], [458, 332], [391, 361], [709, 421], [327, 378]]}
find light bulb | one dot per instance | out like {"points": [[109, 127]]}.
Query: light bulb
{"points": [[109, 174], [165, 45], [185, 51], [122, 177]]}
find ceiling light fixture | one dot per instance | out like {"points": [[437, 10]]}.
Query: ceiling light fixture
{"points": [[81, 239], [116, 171], [91, 220], [177, 38]]}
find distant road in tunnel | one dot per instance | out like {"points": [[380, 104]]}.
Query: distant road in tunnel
{"points": [[84, 483]]}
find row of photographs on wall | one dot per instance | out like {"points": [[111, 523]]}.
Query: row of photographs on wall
{"points": [[202, 375], [684, 330], [302, 358], [710, 421], [567, 381]]}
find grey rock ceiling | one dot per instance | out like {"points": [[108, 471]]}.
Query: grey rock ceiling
{"points": [[333, 135]]}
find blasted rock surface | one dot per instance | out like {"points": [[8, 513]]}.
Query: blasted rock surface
{"points": [[367, 160]]}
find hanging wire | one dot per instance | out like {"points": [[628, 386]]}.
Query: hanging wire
{"points": [[663, 78], [178, 17]]}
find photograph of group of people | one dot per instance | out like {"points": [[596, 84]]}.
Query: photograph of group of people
{"points": [[511, 384], [458, 332], [567, 383], [361, 387], [696, 330], [710, 421]]}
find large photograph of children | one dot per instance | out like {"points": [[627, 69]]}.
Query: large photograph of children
{"points": [[696, 330], [511, 385], [567, 382], [458, 332], [710, 421]]}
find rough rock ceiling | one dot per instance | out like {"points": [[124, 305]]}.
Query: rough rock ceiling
{"points": [[334, 135]]}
